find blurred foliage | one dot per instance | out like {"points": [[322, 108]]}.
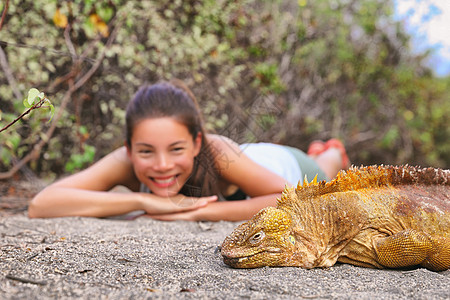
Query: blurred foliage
{"points": [[281, 71]]}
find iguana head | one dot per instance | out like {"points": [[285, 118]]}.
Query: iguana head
{"points": [[265, 240]]}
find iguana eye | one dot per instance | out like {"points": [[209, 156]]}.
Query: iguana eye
{"points": [[257, 237]]}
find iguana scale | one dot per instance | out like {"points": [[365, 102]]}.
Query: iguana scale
{"points": [[376, 216]]}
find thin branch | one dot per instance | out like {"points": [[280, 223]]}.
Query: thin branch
{"points": [[9, 74], [37, 105], [69, 43], [4, 14], [43, 49], [89, 48], [62, 79], [34, 154], [94, 68], [25, 280], [4, 60]]}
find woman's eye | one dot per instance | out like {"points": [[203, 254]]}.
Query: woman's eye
{"points": [[145, 151]]}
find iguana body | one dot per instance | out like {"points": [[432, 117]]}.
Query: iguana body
{"points": [[379, 217]]}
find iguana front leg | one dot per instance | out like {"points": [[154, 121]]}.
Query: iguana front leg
{"points": [[410, 247]]}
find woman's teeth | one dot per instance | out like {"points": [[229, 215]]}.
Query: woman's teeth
{"points": [[167, 180]]}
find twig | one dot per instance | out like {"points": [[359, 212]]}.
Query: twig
{"points": [[32, 256], [76, 59], [43, 49], [8, 74], [69, 43], [4, 61], [34, 154], [94, 68], [37, 105], [88, 49], [24, 280], [62, 79], [4, 14]]}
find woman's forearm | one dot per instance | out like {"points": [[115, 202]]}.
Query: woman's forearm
{"points": [[237, 210], [63, 201]]}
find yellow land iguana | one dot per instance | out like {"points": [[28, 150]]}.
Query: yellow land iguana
{"points": [[378, 217]]}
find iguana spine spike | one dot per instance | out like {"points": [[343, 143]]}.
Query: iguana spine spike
{"points": [[315, 180], [299, 186]]}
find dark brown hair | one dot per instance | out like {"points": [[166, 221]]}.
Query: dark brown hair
{"points": [[175, 100]]}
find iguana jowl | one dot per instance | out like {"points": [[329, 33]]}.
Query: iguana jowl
{"points": [[379, 217]]}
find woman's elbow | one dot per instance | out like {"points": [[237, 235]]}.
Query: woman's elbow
{"points": [[35, 208]]}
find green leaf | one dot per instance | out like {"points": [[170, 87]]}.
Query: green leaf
{"points": [[13, 142], [83, 130], [5, 156], [52, 112], [32, 94], [52, 109], [26, 104], [79, 160]]}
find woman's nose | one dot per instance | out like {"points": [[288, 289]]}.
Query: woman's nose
{"points": [[163, 163]]}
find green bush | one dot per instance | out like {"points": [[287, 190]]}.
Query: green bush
{"points": [[284, 71]]}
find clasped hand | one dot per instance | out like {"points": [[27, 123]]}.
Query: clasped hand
{"points": [[178, 207]]}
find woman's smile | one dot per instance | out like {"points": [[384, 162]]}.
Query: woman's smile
{"points": [[162, 152], [163, 182]]}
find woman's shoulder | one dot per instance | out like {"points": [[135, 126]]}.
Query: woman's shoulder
{"points": [[120, 155], [115, 169], [222, 143], [120, 159]]}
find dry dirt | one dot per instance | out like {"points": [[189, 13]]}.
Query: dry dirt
{"points": [[90, 258]]}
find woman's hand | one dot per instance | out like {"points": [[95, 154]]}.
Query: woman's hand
{"points": [[223, 210], [155, 205], [192, 215]]}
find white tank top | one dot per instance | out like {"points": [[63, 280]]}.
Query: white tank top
{"points": [[276, 158]]}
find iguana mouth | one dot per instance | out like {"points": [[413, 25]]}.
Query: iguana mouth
{"points": [[246, 261], [239, 262], [233, 261]]}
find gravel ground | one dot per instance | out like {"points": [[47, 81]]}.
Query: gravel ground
{"points": [[89, 258]]}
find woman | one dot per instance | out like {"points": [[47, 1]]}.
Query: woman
{"points": [[177, 172]]}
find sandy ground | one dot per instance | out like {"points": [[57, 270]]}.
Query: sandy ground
{"points": [[89, 258]]}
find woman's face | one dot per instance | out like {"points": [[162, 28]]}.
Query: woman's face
{"points": [[162, 153]]}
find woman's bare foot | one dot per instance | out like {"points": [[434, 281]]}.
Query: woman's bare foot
{"points": [[337, 144], [330, 156]]}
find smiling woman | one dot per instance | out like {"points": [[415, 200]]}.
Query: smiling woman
{"points": [[164, 125], [163, 162], [176, 170]]}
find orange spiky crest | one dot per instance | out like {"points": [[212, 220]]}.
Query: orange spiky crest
{"points": [[365, 177]]}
